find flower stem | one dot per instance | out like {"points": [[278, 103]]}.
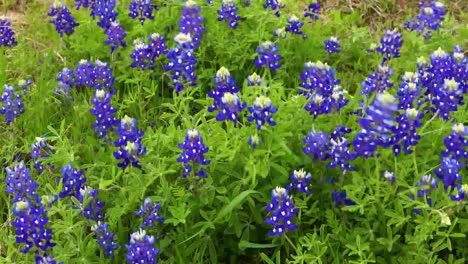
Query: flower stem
{"points": [[290, 242]]}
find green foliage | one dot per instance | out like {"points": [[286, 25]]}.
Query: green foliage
{"points": [[222, 219]]}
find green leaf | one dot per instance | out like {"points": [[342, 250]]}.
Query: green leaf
{"points": [[246, 244], [234, 203], [266, 258]]}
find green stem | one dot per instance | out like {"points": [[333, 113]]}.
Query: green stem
{"points": [[290, 242]]}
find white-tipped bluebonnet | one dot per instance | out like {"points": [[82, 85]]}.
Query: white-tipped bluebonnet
{"points": [[193, 152], [317, 145], [129, 143], [104, 113], [280, 32], [230, 107], [97, 77], [462, 193], [182, 62], [83, 73], [341, 155], [105, 238], [72, 181], [282, 212], [141, 248], [429, 183], [332, 45], [7, 38], [429, 19], [224, 83], [377, 126], [12, 107], [390, 45], [405, 134], [341, 198], [254, 80], [409, 92], [267, 56], [63, 19], [142, 9], [321, 87], [228, 13], [449, 172], [24, 85], [191, 22], [378, 82], [145, 55], [85, 4], [389, 176], [299, 181], [115, 36], [19, 183], [45, 259], [456, 143], [294, 26], [40, 150], [91, 207], [275, 5], [149, 212], [262, 111], [105, 10], [66, 81], [312, 10]]}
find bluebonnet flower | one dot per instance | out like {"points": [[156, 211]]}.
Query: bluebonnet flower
{"points": [[267, 56], [106, 238], [71, 180], [223, 84], [141, 248], [282, 212], [144, 55], [41, 150], [430, 183], [340, 198], [409, 91], [19, 183], [45, 259], [254, 80], [193, 150], [209, 2], [389, 176], [317, 145], [462, 193], [299, 181], [280, 32], [105, 10], [149, 212], [115, 36], [63, 20], [262, 112], [313, 10], [191, 23], [101, 76], [445, 80], [456, 143], [275, 5], [230, 107], [340, 132], [143, 9], [30, 223], [254, 141], [321, 88], [12, 106], [24, 85], [405, 134], [91, 206], [340, 155], [129, 143], [429, 19], [295, 26], [332, 45], [6, 33], [85, 3], [376, 126], [66, 81], [228, 13], [448, 173], [104, 113], [182, 62], [379, 81], [83, 73], [390, 45]]}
